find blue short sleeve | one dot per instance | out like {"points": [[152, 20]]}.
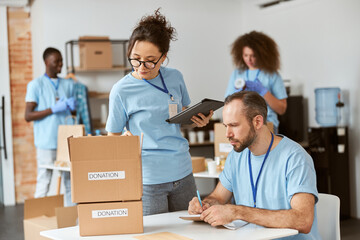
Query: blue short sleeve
{"points": [[184, 92], [225, 176], [117, 115], [277, 87], [230, 88], [31, 95], [301, 177]]}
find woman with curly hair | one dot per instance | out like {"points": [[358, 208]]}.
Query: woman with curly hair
{"points": [[257, 59], [141, 101]]}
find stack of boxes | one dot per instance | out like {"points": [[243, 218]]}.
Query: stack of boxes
{"points": [[106, 182]]}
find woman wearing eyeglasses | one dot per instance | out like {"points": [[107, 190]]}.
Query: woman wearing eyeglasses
{"points": [[256, 57], [142, 101]]}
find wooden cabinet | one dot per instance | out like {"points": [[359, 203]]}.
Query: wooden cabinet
{"points": [[328, 147]]}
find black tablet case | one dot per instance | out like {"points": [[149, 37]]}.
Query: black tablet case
{"points": [[203, 107]]}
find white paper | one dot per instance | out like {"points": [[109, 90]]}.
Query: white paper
{"points": [[114, 175], [107, 213], [232, 226], [235, 224]]}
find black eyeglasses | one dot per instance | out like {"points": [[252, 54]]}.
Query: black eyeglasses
{"points": [[148, 64]]}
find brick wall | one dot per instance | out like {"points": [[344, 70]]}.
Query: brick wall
{"points": [[20, 57]]}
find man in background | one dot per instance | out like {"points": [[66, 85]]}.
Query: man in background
{"points": [[49, 100]]}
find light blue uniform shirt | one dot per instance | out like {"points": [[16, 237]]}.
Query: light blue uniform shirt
{"points": [[42, 91], [288, 170], [142, 108], [273, 82]]}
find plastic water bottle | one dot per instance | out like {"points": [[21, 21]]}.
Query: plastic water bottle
{"points": [[326, 110]]}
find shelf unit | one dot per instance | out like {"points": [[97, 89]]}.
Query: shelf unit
{"points": [[97, 98], [206, 148], [69, 52]]}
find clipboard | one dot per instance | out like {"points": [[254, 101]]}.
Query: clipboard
{"points": [[195, 218], [203, 107]]}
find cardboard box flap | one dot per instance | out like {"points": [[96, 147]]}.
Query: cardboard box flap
{"points": [[104, 38], [65, 131], [66, 216], [42, 206], [43, 222], [221, 144], [87, 148]]}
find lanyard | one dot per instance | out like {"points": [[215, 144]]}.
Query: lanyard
{"points": [[165, 90], [256, 77], [55, 86], [254, 188]]}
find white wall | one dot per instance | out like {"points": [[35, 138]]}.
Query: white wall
{"points": [[319, 46], [201, 52], [318, 42]]}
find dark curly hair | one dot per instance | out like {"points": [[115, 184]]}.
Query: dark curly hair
{"points": [[265, 50], [154, 29]]}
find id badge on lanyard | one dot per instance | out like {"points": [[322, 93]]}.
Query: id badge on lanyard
{"points": [[173, 107]]}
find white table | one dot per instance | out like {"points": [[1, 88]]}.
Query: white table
{"points": [[52, 167], [170, 222], [206, 174]]}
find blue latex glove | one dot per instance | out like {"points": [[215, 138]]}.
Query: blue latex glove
{"points": [[71, 103], [256, 86], [60, 106]]}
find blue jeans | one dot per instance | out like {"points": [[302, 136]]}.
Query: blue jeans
{"points": [[48, 157], [168, 197]]}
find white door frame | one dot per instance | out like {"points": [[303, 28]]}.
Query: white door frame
{"points": [[7, 164]]}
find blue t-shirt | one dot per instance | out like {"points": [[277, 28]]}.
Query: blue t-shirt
{"points": [[273, 82], [288, 170], [142, 108], [42, 91]]}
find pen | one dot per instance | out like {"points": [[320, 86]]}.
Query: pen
{"points": [[198, 195]]}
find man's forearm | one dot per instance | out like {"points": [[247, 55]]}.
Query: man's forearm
{"points": [[37, 115], [211, 200], [291, 218]]}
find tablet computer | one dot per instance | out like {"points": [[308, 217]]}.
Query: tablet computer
{"points": [[203, 107]]}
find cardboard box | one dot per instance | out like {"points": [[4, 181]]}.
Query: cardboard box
{"points": [[95, 53], [46, 213], [221, 144], [198, 164], [62, 153], [110, 218], [105, 168]]}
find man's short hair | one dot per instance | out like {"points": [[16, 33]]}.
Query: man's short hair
{"points": [[253, 103], [49, 51]]}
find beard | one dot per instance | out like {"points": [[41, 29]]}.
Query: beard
{"points": [[249, 139]]}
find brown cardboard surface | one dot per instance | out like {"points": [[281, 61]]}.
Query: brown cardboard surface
{"points": [[198, 164], [95, 55], [46, 213], [221, 142], [33, 227], [162, 236], [105, 168], [45, 206], [66, 216], [65, 131], [110, 218]]}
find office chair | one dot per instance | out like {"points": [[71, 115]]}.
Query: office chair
{"points": [[328, 215]]}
